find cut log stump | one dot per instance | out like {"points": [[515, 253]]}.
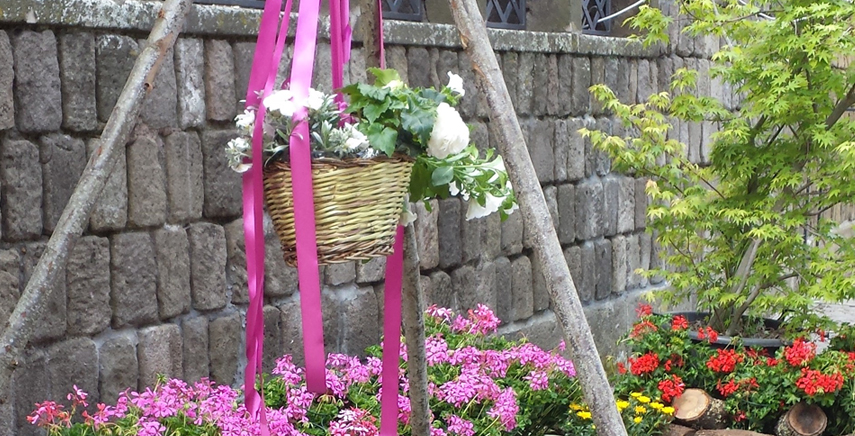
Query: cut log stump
{"points": [[728, 432], [697, 409], [802, 420]]}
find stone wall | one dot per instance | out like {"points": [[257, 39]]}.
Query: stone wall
{"points": [[157, 285]]}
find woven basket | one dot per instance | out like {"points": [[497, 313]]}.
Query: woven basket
{"points": [[358, 203]]}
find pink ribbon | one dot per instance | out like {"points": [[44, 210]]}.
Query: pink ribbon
{"points": [[392, 337]]}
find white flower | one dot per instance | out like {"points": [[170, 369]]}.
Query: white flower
{"points": [[407, 217], [492, 204], [450, 135], [316, 99], [395, 84], [353, 144], [245, 121], [453, 189], [281, 101], [236, 150], [498, 167], [455, 84]]}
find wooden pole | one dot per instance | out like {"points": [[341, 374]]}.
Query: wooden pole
{"points": [[31, 307], [562, 291], [412, 304]]}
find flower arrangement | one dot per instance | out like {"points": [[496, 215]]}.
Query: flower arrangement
{"points": [[756, 387], [642, 415], [387, 119], [480, 383]]}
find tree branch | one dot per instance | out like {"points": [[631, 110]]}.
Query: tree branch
{"points": [[51, 266], [841, 107]]}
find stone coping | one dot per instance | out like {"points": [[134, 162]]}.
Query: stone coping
{"points": [[230, 21]]}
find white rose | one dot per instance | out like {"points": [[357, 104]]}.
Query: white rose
{"points": [[455, 84], [450, 135], [492, 204], [281, 101], [316, 99], [245, 121]]}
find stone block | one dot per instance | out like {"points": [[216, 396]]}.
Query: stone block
{"points": [[272, 338], [244, 53], [146, 181], [74, 362], [207, 265], [567, 212], [419, 67], [543, 330], [475, 103], [448, 227], [119, 367], [512, 234], [611, 193], [633, 262], [111, 209], [283, 73], [10, 282], [173, 271], [525, 83], [581, 97], [54, 319], [622, 81], [626, 205], [474, 285], [30, 385], [646, 86], [565, 84], [372, 271], [279, 279], [340, 273], [645, 243], [569, 150], [224, 345], [396, 58], [480, 135], [184, 175], [597, 161], [21, 182], [236, 262], [611, 71], [133, 293], [587, 287], [542, 92], [619, 264], [63, 159], [522, 289], [491, 239], [115, 56], [603, 254], [510, 66], [7, 79], [598, 76], [540, 148], [160, 107], [550, 194], [441, 290], [7, 416], [194, 343], [322, 72], [220, 96], [633, 81], [292, 328], [589, 209], [38, 95], [87, 284], [540, 292], [190, 80], [656, 261], [504, 290], [470, 238], [222, 185], [654, 77], [427, 234], [357, 66], [77, 73], [360, 320], [159, 353], [640, 203], [665, 71]]}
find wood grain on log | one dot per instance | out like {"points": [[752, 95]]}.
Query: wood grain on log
{"points": [[802, 420], [728, 432], [697, 409]]}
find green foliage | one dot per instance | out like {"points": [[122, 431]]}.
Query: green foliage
{"points": [[780, 159]]}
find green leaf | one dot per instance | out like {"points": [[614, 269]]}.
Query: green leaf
{"points": [[418, 121], [374, 111], [382, 138], [384, 76], [372, 91], [442, 176]]}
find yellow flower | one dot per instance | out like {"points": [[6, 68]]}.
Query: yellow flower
{"points": [[635, 394], [668, 410], [621, 404], [575, 407], [637, 420], [584, 415], [643, 399], [656, 406], [593, 426], [640, 409]]}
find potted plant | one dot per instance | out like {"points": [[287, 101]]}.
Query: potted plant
{"points": [[746, 232], [390, 144]]}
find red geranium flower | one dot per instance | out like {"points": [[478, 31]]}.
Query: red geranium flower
{"points": [[644, 364], [671, 387], [621, 368], [800, 353], [644, 310], [642, 328], [815, 382], [707, 333], [724, 361], [679, 323]]}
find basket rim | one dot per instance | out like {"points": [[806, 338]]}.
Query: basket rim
{"points": [[343, 163]]}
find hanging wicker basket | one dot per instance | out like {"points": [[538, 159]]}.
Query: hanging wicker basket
{"points": [[358, 203]]}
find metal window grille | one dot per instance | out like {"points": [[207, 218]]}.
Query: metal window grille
{"points": [[592, 12], [506, 14], [405, 10]]}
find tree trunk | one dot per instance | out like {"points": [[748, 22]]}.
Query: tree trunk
{"points": [[697, 409], [414, 330], [562, 291], [30, 308], [802, 420]]}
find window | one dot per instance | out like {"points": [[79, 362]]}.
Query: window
{"points": [[407, 10], [506, 14], [592, 12]]}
